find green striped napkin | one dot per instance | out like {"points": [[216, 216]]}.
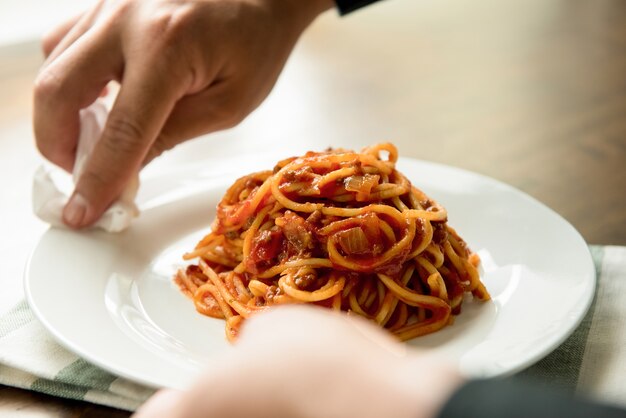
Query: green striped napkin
{"points": [[31, 359], [592, 360]]}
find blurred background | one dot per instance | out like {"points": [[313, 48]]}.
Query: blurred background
{"points": [[25, 21]]}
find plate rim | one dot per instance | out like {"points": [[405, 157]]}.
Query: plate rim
{"points": [[121, 371]]}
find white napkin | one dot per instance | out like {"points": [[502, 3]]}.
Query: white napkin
{"points": [[49, 197]]}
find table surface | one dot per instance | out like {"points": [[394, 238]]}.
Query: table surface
{"points": [[530, 92]]}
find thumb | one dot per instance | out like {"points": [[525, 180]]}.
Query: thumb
{"points": [[140, 110]]}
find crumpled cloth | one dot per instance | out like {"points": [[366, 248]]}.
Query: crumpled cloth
{"points": [[50, 197]]}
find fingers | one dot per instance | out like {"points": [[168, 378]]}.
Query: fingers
{"points": [[215, 108], [64, 36], [51, 39], [70, 83], [145, 100]]}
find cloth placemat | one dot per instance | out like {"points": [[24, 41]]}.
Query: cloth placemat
{"points": [[592, 360], [31, 359]]}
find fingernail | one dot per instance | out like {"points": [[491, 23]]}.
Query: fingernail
{"points": [[75, 210]]}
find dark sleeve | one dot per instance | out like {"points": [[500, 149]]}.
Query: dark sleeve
{"points": [[521, 399], [347, 6]]}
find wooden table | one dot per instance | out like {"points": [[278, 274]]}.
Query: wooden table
{"points": [[530, 92]]}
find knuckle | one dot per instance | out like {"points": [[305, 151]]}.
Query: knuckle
{"points": [[124, 135], [95, 180], [47, 44], [47, 86], [170, 26], [171, 37], [119, 9]]}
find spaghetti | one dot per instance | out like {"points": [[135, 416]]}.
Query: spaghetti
{"points": [[339, 229]]}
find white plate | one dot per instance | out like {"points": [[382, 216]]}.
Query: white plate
{"points": [[110, 298]]}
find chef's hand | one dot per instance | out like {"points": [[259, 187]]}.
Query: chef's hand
{"points": [[186, 68], [298, 361]]}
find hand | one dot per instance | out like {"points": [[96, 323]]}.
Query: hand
{"points": [[298, 361], [186, 68]]}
